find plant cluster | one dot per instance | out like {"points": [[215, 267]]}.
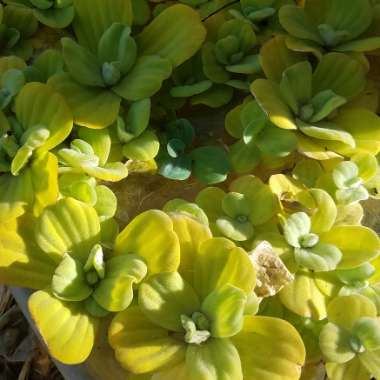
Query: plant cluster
{"points": [[268, 272]]}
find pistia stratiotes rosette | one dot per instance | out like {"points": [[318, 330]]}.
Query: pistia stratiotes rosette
{"points": [[350, 341], [132, 134], [178, 158], [190, 81], [107, 64], [241, 213], [232, 56], [259, 139], [330, 25], [17, 26], [83, 280], [41, 121], [316, 102], [262, 15], [89, 155], [53, 13], [350, 182], [317, 250], [197, 328]]}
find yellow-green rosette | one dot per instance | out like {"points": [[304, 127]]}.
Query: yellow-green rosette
{"points": [[199, 330]]}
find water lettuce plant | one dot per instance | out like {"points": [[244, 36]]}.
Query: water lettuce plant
{"points": [[17, 26], [321, 26], [41, 121], [82, 279], [314, 105], [178, 161], [198, 329], [53, 13], [189, 185], [258, 138], [350, 341], [232, 52], [108, 64], [89, 155], [240, 213]]}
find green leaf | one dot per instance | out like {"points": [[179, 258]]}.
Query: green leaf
{"points": [[324, 211], [83, 65], [69, 283], [296, 226], [360, 45], [224, 308], [324, 104], [352, 370], [296, 22], [355, 20], [367, 165], [137, 120], [263, 201], [176, 168], [94, 17], [49, 63], [235, 230], [186, 91], [296, 85], [68, 226], [164, 297], [335, 344], [55, 17], [320, 258], [106, 202], [253, 119], [363, 125], [213, 70], [144, 148], [71, 338], [268, 96], [367, 330], [210, 200], [344, 173], [230, 265], [214, 360], [210, 164], [244, 158], [326, 130], [184, 35], [276, 142], [22, 263], [307, 171], [151, 236], [39, 104], [358, 306], [144, 79], [264, 363], [303, 297], [92, 107], [118, 47], [100, 141], [141, 12], [140, 345], [370, 360], [13, 80], [248, 65], [338, 72], [358, 244], [115, 292], [275, 57]]}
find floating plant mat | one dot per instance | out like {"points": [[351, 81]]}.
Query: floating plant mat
{"points": [[189, 189], [102, 364]]}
